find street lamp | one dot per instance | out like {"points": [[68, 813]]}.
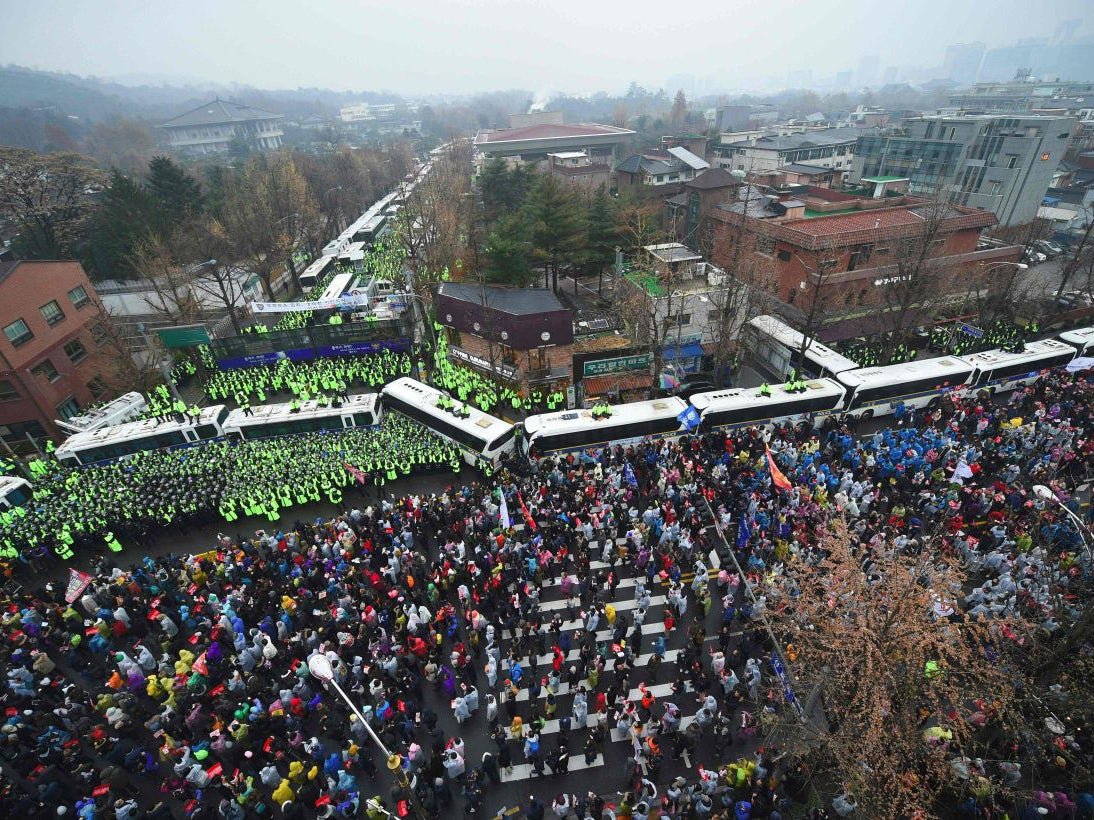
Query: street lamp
{"points": [[1046, 494], [321, 668]]}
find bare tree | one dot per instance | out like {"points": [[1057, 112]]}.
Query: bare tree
{"points": [[171, 295], [431, 224]]}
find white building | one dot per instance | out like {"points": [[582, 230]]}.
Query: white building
{"points": [[756, 152], [210, 128]]}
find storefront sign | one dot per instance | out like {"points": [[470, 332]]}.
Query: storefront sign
{"points": [[504, 370], [620, 364]]}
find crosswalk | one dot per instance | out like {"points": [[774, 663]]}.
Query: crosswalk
{"points": [[624, 602]]}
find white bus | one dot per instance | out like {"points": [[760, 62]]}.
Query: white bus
{"points": [[280, 419], [1082, 339], [338, 285], [1000, 371], [777, 347], [745, 407], [125, 440], [14, 492], [314, 272], [876, 391], [122, 409], [571, 431], [479, 435]]}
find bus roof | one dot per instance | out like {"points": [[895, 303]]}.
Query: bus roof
{"points": [[338, 285], [832, 361], [629, 413], [425, 397], [127, 405], [318, 267], [1079, 336], [267, 413], [908, 371], [135, 429], [1031, 351], [11, 482], [747, 396]]}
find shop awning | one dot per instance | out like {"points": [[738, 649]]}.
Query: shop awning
{"points": [[599, 385], [687, 351]]}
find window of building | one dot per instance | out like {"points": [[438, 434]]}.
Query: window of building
{"points": [[15, 434], [18, 333], [68, 408], [1012, 160], [995, 188], [679, 320], [97, 387], [52, 312], [46, 370], [78, 296], [826, 265], [75, 351], [784, 256], [8, 391], [765, 245]]}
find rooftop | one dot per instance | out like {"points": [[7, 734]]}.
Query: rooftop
{"points": [[515, 301], [693, 161], [713, 178], [790, 142], [637, 163], [808, 170], [673, 252], [550, 132], [218, 112]]}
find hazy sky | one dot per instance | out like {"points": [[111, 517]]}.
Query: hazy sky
{"points": [[415, 46]]}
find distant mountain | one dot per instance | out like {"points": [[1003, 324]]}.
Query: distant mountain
{"points": [[96, 99]]}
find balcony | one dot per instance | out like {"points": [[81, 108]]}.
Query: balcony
{"points": [[547, 374]]}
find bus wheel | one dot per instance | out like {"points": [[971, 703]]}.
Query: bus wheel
{"points": [[866, 415], [933, 403]]}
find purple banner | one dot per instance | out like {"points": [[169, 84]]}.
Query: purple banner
{"points": [[258, 359], [361, 348]]}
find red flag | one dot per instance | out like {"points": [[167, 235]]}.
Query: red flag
{"points": [[524, 509], [214, 770], [200, 666], [777, 477], [77, 583], [355, 472]]}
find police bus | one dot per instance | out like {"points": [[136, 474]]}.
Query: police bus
{"points": [[999, 371], [777, 348], [480, 436], [315, 272], [125, 440], [14, 492], [283, 420], [1082, 339], [876, 391], [745, 407], [572, 431]]}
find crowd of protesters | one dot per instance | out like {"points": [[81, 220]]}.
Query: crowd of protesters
{"points": [[182, 684]]}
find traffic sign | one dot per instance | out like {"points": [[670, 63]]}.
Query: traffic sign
{"points": [[183, 335]]}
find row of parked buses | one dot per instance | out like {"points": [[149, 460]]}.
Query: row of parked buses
{"points": [[835, 385]]}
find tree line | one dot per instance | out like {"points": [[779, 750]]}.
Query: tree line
{"points": [[258, 218]]}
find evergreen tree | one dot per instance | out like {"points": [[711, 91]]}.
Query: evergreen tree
{"points": [[558, 225], [601, 234], [504, 190], [174, 192], [509, 252], [679, 112], [123, 220]]}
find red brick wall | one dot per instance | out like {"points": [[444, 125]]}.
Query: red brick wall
{"points": [[29, 286]]}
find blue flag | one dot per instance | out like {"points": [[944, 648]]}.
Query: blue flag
{"points": [[628, 474], [743, 533], [689, 418]]}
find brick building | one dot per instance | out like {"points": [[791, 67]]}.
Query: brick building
{"points": [[520, 336], [55, 355], [845, 251]]}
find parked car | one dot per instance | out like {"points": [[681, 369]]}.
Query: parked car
{"points": [[689, 388], [1032, 256], [1049, 249]]}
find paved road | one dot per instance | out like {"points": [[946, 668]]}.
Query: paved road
{"points": [[605, 774]]}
